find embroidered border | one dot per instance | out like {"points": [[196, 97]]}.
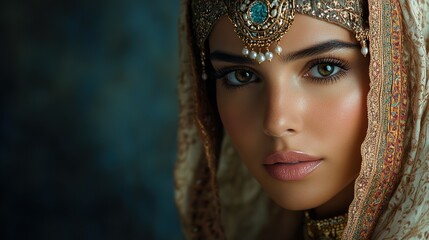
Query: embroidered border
{"points": [[382, 153]]}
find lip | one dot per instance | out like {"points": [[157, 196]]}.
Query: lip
{"points": [[290, 165]]}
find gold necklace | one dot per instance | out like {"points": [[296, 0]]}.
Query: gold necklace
{"points": [[330, 228]]}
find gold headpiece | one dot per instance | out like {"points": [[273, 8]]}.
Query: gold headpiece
{"points": [[260, 23]]}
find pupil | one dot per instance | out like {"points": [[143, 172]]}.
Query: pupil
{"points": [[325, 69], [243, 76]]}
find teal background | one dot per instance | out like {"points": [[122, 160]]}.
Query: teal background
{"points": [[88, 119]]}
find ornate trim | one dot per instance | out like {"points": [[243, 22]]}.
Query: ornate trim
{"points": [[383, 148]]}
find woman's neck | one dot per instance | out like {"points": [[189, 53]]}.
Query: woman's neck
{"points": [[338, 205]]}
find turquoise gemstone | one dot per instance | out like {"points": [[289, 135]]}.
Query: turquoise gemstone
{"points": [[259, 12]]}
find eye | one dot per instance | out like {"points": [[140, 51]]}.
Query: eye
{"points": [[323, 70], [327, 69], [240, 77]]}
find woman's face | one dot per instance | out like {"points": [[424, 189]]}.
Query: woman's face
{"points": [[298, 121]]}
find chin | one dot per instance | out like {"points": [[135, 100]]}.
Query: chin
{"points": [[297, 204], [300, 197]]}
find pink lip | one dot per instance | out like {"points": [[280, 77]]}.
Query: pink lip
{"points": [[290, 165]]}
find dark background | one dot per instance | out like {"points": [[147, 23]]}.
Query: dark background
{"points": [[88, 119]]}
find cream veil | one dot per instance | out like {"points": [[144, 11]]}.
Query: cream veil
{"points": [[217, 198]]}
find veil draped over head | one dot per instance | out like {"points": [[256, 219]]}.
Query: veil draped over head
{"points": [[216, 196]]}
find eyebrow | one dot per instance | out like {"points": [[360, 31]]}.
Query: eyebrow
{"points": [[307, 52]]}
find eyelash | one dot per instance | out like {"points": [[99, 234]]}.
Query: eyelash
{"points": [[342, 64], [221, 74]]}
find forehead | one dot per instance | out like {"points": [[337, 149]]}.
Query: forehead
{"points": [[305, 31]]}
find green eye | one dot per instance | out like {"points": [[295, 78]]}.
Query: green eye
{"points": [[240, 77], [324, 70]]}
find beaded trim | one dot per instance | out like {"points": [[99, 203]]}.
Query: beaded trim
{"points": [[259, 23], [330, 228], [346, 13]]}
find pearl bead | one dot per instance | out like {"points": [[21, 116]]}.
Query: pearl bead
{"points": [[204, 76], [243, 7], [260, 58], [253, 55], [274, 13], [245, 51], [269, 56], [364, 51], [278, 49]]}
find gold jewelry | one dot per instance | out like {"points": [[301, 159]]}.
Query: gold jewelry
{"points": [[349, 14], [260, 23], [331, 228]]}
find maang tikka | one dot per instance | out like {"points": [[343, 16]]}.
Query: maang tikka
{"points": [[260, 23]]}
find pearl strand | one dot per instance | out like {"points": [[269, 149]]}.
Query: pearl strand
{"points": [[261, 57]]}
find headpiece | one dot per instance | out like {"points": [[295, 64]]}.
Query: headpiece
{"points": [[260, 23]]}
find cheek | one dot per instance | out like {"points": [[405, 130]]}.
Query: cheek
{"points": [[238, 115], [343, 120], [233, 117], [348, 111]]}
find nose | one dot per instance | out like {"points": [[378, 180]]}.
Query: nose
{"points": [[283, 106]]}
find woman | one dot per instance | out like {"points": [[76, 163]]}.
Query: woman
{"points": [[334, 136]]}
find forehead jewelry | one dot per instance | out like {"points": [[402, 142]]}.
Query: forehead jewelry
{"points": [[260, 23]]}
